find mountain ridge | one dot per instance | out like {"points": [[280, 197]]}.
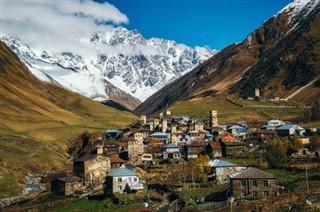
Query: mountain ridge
{"points": [[124, 59], [241, 67]]}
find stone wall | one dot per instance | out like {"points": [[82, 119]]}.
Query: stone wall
{"points": [[251, 191], [95, 171]]}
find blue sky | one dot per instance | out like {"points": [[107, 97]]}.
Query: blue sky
{"points": [[213, 23]]}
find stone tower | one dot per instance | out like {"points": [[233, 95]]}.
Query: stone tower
{"points": [[164, 125], [156, 123], [213, 118], [143, 119], [256, 92]]}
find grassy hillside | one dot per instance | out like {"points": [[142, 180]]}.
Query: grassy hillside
{"points": [[281, 58], [38, 122], [238, 110]]}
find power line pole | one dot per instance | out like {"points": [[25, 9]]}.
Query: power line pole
{"points": [[307, 181]]}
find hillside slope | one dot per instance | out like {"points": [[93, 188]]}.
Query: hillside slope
{"points": [[281, 58], [39, 120]]}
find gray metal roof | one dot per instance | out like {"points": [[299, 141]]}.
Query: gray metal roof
{"points": [[171, 145], [287, 127], [221, 163], [252, 173], [159, 134], [237, 127], [121, 172]]}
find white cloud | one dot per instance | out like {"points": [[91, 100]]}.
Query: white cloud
{"points": [[52, 25]]}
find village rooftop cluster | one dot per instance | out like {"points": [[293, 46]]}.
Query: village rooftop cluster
{"points": [[122, 156]]}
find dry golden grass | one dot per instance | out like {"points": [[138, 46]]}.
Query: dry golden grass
{"points": [[38, 122]]}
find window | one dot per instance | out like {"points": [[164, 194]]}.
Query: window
{"points": [[265, 183], [265, 193], [119, 179], [120, 187], [254, 183], [243, 194], [254, 194], [129, 179], [135, 179], [243, 183]]}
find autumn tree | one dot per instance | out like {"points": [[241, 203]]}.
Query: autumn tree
{"points": [[199, 167], [315, 143], [276, 153], [292, 144]]}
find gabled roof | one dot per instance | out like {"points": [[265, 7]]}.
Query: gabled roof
{"points": [[121, 172], [151, 150], [227, 137], [115, 159], [122, 144], [287, 127], [197, 144], [214, 145], [85, 158], [171, 145], [113, 131], [252, 173], [221, 163], [237, 127], [159, 134]]}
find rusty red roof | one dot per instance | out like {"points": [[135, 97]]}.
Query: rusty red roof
{"points": [[115, 159], [227, 137], [122, 144], [215, 145], [197, 144]]}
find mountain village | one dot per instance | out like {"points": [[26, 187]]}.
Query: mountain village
{"points": [[130, 160], [96, 116]]}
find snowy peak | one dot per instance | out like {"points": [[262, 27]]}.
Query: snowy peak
{"points": [[299, 8], [118, 58]]}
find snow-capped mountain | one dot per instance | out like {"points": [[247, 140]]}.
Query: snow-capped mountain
{"points": [[280, 58], [120, 58]]}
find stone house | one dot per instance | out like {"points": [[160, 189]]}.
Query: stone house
{"points": [[154, 151], [252, 183], [135, 149], [194, 149], [66, 186], [213, 150], [121, 180], [92, 169], [220, 170], [231, 148], [160, 137], [171, 151], [116, 162]]}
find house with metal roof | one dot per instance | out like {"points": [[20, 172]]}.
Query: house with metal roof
{"points": [[171, 151], [160, 137], [214, 150], [113, 133], [252, 183], [276, 123], [220, 170], [121, 180], [289, 129]]}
